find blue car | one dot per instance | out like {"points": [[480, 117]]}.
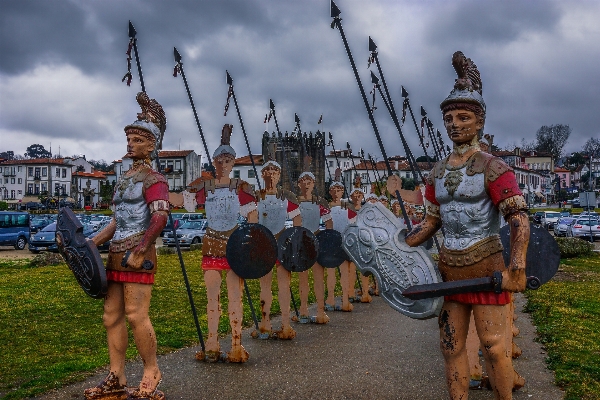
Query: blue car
{"points": [[14, 229]]}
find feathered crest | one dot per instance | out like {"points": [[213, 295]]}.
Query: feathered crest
{"points": [[468, 74], [226, 134], [151, 112]]}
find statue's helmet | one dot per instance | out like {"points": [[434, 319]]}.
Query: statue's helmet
{"points": [[468, 88], [151, 122]]}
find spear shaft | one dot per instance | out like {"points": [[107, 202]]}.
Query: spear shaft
{"points": [[407, 103], [132, 33], [337, 161], [337, 21]]}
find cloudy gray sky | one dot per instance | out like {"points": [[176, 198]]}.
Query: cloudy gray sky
{"points": [[62, 62]]}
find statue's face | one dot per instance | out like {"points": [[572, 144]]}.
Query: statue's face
{"points": [[223, 165], [462, 125], [373, 200], [357, 197], [336, 192], [271, 174], [385, 203], [306, 185], [396, 208], [139, 145]]}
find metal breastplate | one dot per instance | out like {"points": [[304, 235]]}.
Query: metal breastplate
{"points": [[467, 212], [272, 213], [339, 216], [222, 209], [132, 214], [311, 215]]}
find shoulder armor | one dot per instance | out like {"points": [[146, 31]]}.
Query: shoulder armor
{"points": [[242, 186], [286, 194], [496, 168], [478, 162], [429, 180], [208, 185], [154, 177], [320, 201]]}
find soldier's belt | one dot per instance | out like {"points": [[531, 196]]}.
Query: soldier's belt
{"points": [[472, 254], [214, 242], [117, 246]]}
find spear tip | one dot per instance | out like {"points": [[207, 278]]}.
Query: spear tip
{"points": [[404, 92], [372, 45], [176, 55], [335, 11], [423, 112], [271, 104], [296, 118], [229, 80], [374, 78], [132, 31]]}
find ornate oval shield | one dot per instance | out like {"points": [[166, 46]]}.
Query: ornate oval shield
{"points": [[81, 254], [251, 251], [543, 254], [375, 243], [298, 249], [331, 253]]}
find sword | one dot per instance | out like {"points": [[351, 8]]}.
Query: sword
{"points": [[488, 284]]}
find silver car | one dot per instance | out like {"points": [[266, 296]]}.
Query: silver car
{"points": [[561, 227], [188, 232], [585, 228], [549, 219]]}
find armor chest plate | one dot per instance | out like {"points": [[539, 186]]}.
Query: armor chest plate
{"points": [[311, 215], [467, 212], [339, 216], [132, 215], [222, 209], [272, 213]]}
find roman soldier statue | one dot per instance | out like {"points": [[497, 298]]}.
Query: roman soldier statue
{"points": [[341, 215], [224, 200], [141, 209], [312, 209], [356, 199], [465, 193], [275, 206]]}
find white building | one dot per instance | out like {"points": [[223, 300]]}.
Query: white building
{"points": [[242, 169], [85, 187]]}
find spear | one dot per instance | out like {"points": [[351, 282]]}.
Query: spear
{"points": [[387, 99], [337, 161], [337, 21], [133, 44], [429, 125], [364, 161], [406, 105], [231, 93], [375, 173], [356, 174]]}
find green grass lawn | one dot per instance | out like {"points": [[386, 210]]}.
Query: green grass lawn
{"points": [[51, 333], [566, 312]]}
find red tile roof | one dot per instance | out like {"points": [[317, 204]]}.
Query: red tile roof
{"points": [[205, 176], [174, 153], [245, 160], [95, 174], [60, 161]]}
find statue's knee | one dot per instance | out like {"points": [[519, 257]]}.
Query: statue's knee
{"points": [[111, 319]]}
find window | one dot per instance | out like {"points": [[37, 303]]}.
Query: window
{"points": [[20, 192], [30, 171], [37, 189], [12, 180], [236, 173], [58, 172], [44, 187], [44, 171], [19, 169], [30, 188], [64, 172], [251, 173], [37, 172], [20, 180], [178, 165], [56, 189], [330, 164], [12, 194]]}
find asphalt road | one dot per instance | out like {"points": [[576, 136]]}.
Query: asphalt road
{"points": [[371, 353]]}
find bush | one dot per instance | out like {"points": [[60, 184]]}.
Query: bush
{"points": [[3, 206], [573, 247], [46, 259], [165, 250]]}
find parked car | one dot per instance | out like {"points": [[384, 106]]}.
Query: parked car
{"points": [[549, 219], [561, 227], [565, 214], [537, 217], [14, 229], [585, 228], [44, 240], [168, 227], [38, 223], [188, 232], [95, 231]]}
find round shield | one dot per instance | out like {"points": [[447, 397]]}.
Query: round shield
{"points": [[298, 249], [81, 255], [543, 254], [331, 253], [251, 251]]}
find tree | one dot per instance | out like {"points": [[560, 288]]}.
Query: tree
{"points": [[426, 159], [408, 184], [528, 146], [575, 160], [552, 139], [8, 155], [37, 151], [101, 165], [592, 147]]}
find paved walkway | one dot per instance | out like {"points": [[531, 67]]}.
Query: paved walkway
{"points": [[371, 353]]}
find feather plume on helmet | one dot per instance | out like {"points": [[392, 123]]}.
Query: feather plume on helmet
{"points": [[468, 88], [271, 156], [151, 122], [225, 147]]}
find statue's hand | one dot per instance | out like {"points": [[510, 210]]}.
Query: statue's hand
{"points": [[514, 279], [135, 260], [394, 183]]}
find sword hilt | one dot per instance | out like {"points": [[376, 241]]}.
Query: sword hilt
{"points": [[147, 264]]}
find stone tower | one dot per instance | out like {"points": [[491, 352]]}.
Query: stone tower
{"points": [[296, 147]]}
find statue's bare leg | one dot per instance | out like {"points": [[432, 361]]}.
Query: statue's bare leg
{"points": [[366, 284], [490, 321], [116, 329], [475, 367], [212, 280], [283, 294], [137, 303], [331, 281], [266, 299], [236, 314], [344, 279], [319, 285], [352, 280], [304, 289], [454, 326]]}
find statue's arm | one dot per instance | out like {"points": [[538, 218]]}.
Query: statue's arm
{"points": [[424, 231], [105, 234], [514, 278]]}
